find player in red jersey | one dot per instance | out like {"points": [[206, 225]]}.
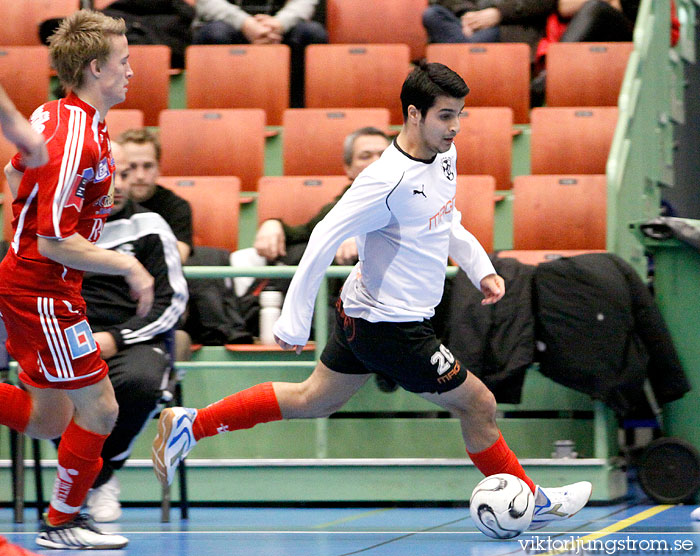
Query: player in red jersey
{"points": [[59, 210], [34, 153]]}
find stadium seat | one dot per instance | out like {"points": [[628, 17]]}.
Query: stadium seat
{"points": [[119, 120], [497, 74], [559, 212], [296, 199], [215, 206], [312, 138], [485, 143], [150, 86], [475, 200], [21, 19], [25, 74], [227, 142], [585, 74], [239, 76], [571, 140], [378, 21], [357, 76]]}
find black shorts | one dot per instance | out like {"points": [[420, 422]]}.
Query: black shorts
{"points": [[407, 352]]}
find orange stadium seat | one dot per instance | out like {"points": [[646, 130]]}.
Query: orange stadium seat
{"points": [[378, 21], [119, 120], [485, 143], [215, 202], [571, 140], [239, 76], [150, 86], [497, 74], [475, 200], [227, 142], [21, 18], [296, 199], [585, 73], [28, 88], [559, 212], [357, 76], [312, 138]]}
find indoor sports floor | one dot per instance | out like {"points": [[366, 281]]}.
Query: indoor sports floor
{"points": [[263, 531]]}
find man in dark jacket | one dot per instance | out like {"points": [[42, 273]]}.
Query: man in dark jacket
{"points": [[262, 22], [135, 347], [462, 21], [141, 150]]}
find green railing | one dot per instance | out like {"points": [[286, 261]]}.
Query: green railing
{"points": [[320, 313], [651, 101]]}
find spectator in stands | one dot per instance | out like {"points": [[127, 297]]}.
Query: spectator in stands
{"points": [[142, 151], [255, 22], [583, 21], [464, 21], [136, 348], [598, 20], [277, 241]]}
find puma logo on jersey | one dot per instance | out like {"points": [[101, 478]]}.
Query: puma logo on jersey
{"points": [[420, 191]]}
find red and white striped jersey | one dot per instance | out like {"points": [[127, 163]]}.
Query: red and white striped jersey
{"points": [[70, 194]]}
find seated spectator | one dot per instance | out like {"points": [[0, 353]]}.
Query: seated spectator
{"points": [[598, 20], [271, 22], [135, 347], [276, 241], [142, 151], [463, 21], [583, 21], [164, 22]]}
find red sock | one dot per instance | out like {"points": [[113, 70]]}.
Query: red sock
{"points": [[15, 407], [79, 462], [499, 458], [242, 410]]}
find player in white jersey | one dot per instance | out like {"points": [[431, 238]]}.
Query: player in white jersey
{"points": [[401, 209]]}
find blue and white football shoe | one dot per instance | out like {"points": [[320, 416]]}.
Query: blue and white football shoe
{"points": [[559, 503], [173, 442]]}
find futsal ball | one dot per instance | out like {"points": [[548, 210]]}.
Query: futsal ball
{"points": [[501, 506]]}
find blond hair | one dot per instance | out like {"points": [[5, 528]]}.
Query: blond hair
{"points": [[140, 136], [80, 38]]}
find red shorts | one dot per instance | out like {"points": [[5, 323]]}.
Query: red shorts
{"points": [[52, 342]]}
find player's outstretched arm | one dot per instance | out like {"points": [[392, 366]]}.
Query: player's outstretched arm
{"points": [[77, 252], [17, 129]]}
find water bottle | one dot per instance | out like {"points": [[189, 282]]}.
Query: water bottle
{"points": [[270, 309]]}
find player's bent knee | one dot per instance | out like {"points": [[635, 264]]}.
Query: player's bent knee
{"points": [[47, 431], [482, 402]]}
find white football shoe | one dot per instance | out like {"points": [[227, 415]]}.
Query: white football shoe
{"points": [[80, 533], [559, 503], [173, 442]]}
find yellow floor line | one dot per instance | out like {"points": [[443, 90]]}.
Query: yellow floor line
{"points": [[615, 527], [351, 518]]}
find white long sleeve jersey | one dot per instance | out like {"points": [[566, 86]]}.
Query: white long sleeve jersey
{"points": [[402, 212]]}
